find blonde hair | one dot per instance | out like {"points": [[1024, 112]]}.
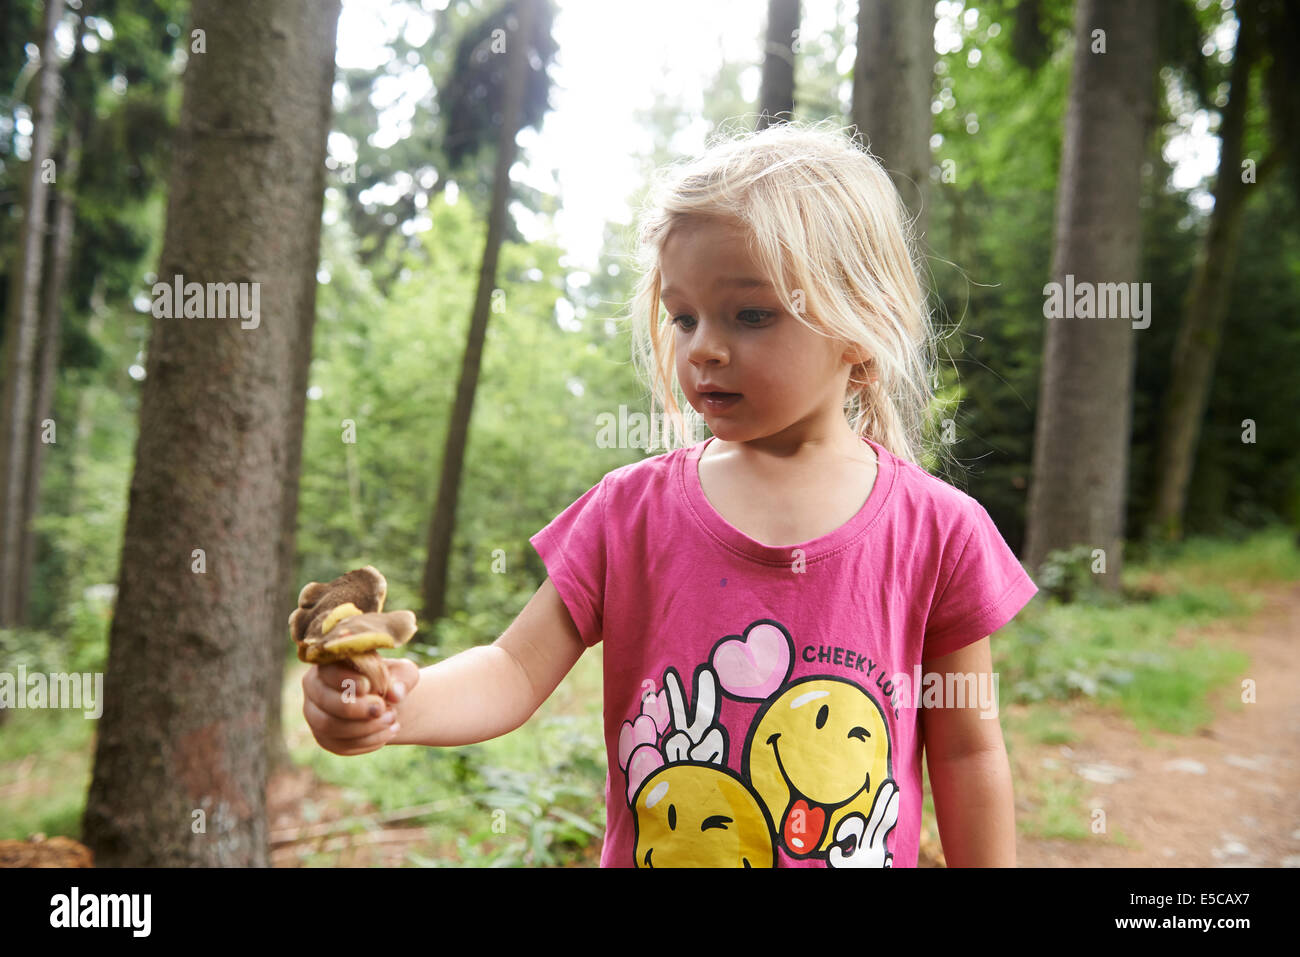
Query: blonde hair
{"points": [[825, 220]]}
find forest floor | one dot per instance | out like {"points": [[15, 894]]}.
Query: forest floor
{"points": [[1227, 795], [331, 838]]}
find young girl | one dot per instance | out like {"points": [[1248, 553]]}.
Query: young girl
{"points": [[791, 608]]}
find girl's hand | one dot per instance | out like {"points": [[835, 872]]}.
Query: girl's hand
{"points": [[344, 717]]}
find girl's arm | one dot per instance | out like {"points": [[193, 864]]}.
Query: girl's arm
{"points": [[970, 775], [490, 690]]}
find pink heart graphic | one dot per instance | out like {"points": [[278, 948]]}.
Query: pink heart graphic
{"points": [[642, 731], [755, 666], [656, 706], [642, 763]]}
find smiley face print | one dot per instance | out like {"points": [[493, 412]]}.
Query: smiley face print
{"points": [[700, 815], [818, 753]]}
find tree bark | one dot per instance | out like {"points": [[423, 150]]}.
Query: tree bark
{"points": [[776, 93], [1081, 434], [893, 80], [443, 524], [20, 340], [277, 751], [180, 768], [1205, 309]]}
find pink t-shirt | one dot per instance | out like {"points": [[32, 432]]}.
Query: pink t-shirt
{"points": [[761, 701]]}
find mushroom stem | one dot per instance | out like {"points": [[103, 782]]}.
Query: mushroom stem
{"points": [[371, 665]]}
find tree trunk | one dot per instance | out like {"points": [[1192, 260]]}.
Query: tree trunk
{"points": [[443, 524], [47, 360], [180, 763], [20, 340], [776, 94], [1197, 347], [893, 78], [277, 751], [1084, 407]]}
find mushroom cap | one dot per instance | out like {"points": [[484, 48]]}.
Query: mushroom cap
{"points": [[364, 587], [359, 633], [345, 617]]}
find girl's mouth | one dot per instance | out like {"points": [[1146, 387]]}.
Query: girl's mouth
{"points": [[719, 401]]}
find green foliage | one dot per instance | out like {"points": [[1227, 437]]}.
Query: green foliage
{"points": [[996, 159], [120, 90], [45, 763], [538, 793], [1040, 725], [1057, 812], [1124, 651], [533, 798], [78, 645], [1066, 574], [998, 131], [87, 477], [1241, 559], [536, 819], [472, 96], [1171, 693], [531, 448]]}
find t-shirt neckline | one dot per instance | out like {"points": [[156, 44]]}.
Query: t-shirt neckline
{"points": [[818, 548]]}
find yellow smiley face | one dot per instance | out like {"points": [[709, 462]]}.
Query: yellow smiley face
{"points": [[816, 753], [700, 815]]}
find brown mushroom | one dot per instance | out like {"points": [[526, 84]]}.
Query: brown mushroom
{"points": [[345, 620]]}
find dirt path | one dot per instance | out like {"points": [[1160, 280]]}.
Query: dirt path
{"points": [[1227, 796]]}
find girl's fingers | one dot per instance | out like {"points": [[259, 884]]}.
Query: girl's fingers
{"points": [[341, 677], [403, 672], [369, 743], [325, 727], [335, 701]]}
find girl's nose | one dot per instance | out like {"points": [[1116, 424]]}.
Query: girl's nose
{"points": [[708, 343]]}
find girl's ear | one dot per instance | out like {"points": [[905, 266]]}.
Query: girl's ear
{"points": [[856, 355]]}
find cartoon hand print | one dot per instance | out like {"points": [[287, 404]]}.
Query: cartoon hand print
{"points": [[697, 738], [861, 843], [688, 808]]}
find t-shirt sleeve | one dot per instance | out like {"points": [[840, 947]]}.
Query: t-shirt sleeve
{"points": [[986, 588], [573, 548]]}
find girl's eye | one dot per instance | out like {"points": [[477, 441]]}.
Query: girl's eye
{"points": [[758, 316]]}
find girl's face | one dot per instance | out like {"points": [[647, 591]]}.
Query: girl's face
{"points": [[731, 335]]}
